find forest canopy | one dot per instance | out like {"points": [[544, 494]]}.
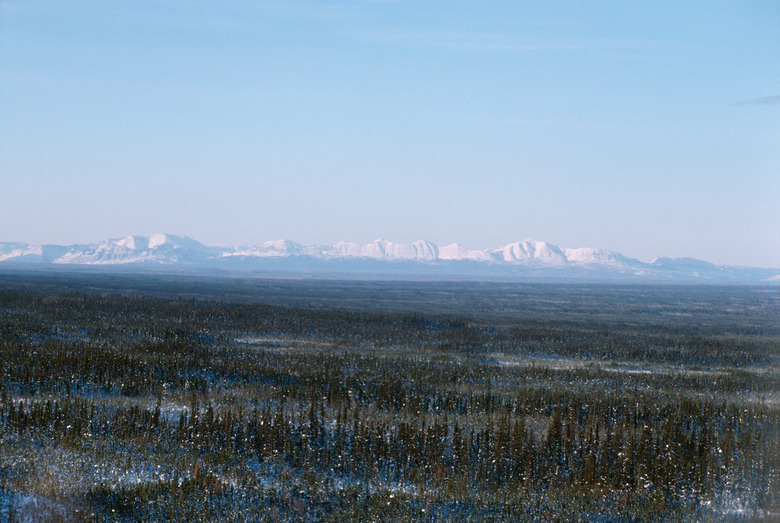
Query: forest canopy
{"points": [[136, 398]]}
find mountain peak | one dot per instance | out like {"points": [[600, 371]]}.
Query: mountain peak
{"points": [[133, 242], [525, 259]]}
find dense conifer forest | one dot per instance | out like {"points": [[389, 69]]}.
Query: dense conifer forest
{"points": [[186, 398]]}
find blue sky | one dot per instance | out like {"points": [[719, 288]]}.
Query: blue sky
{"points": [[648, 128]]}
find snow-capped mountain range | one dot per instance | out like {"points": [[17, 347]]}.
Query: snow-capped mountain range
{"points": [[529, 259]]}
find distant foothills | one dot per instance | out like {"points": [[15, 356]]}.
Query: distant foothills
{"points": [[529, 260]]}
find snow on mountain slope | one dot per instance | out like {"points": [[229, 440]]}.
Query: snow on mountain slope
{"points": [[588, 255], [269, 249], [179, 244], [382, 250], [26, 253], [18, 251], [458, 252], [678, 263], [133, 242], [344, 250], [531, 251], [10, 251], [381, 256], [158, 249]]}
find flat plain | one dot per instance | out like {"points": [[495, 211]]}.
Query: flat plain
{"points": [[158, 397]]}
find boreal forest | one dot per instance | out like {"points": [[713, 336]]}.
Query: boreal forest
{"points": [[156, 397]]}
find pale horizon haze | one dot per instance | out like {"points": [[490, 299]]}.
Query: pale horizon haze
{"points": [[647, 128]]}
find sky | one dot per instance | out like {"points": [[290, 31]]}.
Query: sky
{"points": [[647, 128]]}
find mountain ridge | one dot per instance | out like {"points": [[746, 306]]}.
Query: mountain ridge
{"points": [[524, 259]]}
